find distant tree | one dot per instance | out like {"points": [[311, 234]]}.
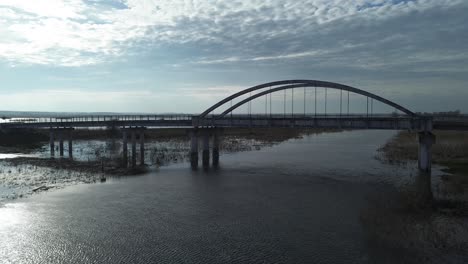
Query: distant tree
{"points": [[448, 113]]}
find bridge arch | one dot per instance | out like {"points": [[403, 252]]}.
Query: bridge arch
{"points": [[291, 84]]}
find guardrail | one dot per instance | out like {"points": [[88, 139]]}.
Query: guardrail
{"points": [[282, 116], [94, 118]]}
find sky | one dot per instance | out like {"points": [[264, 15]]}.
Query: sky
{"points": [[161, 56]]}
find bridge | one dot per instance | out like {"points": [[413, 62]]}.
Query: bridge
{"points": [[309, 111]]}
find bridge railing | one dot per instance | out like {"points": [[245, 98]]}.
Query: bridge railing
{"points": [[460, 117], [212, 120], [96, 119], [308, 115]]}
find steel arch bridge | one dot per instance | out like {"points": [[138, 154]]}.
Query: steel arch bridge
{"points": [[404, 119], [408, 119], [272, 87], [208, 124]]}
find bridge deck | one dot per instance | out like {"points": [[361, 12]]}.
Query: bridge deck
{"points": [[375, 121]]}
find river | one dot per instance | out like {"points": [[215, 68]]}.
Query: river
{"points": [[296, 202]]}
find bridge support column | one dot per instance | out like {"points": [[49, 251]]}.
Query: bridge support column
{"points": [[216, 140], [70, 144], [426, 140], [142, 147], [194, 149], [134, 158], [423, 181], [52, 143], [206, 149], [125, 149], [61, 142]]}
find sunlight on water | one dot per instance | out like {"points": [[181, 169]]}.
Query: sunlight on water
{"points": [[296, 202], [14, 155], [15, 233], [12, 214]]}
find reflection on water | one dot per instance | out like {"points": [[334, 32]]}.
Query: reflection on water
{"points": [[20, 179], [297, 202], [14, 155], [156, 152]]}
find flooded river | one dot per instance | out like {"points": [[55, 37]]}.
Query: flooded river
{"points": [[296, 202]]}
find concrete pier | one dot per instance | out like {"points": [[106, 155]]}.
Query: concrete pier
{"points": [[423, 180], [124, 149], [194, 149], [216, 141], [426, 140], [70, 144], [206, 150], [142, 147], [134, 158], [52, 143], [60, 133]]}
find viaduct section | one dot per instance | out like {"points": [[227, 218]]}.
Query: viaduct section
{"points": [[207, 128]]}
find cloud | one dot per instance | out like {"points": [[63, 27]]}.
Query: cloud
{"points": [[76, 32], [210, 93], [77, 100]]}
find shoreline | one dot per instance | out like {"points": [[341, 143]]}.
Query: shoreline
{"points": [[397, 220], [450, 151]]}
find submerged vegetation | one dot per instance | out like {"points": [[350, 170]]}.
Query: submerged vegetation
{"points": [[98, 152]]}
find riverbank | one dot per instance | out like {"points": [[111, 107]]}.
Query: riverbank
{"points": [[394, 217], [450, 151]]}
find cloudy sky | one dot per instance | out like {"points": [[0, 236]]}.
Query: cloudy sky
{"points": [[183, 55]]}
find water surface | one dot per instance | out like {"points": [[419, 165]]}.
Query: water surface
{"points": [[297, 202]]}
